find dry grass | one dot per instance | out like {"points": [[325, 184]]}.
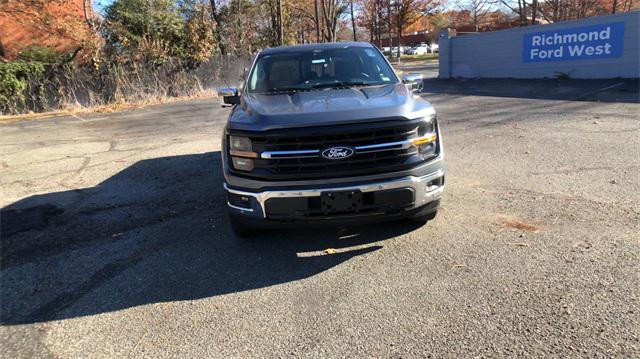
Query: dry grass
{"points": [[114, 87], [108, 108]]}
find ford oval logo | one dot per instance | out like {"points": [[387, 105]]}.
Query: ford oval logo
{"points": [[337, 153]]}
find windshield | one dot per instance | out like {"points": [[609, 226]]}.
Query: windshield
{"points": [[314, 69]]}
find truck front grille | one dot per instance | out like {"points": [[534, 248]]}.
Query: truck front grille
{"points": [[297, 153]]}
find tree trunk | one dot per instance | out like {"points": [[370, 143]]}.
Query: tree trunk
{"points": [[239, 24], [280, 27], [389, 14], [534, 11], [315, 9], [475, 19], [330, 19], [86, 4], [353, 23], [399, 18], [613, 6], [375, 25], [214, 16]]}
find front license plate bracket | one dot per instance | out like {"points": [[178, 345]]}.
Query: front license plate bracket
{"points": [[341, 201]]}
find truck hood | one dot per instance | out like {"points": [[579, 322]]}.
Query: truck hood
{"points": [[258, 112]]}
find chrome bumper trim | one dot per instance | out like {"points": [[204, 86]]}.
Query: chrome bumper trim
{"points": [[423, 194], [239, 208]]}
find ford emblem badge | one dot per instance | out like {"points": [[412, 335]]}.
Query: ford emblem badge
{"points": [[337, 153]]}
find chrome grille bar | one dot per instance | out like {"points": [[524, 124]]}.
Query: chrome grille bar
{"points": [[389, 146], [290, 154]]}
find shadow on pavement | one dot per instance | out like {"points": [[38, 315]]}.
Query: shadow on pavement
{"points": [[610, 90], [155, 232]]}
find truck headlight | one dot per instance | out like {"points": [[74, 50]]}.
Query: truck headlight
{"points": [[241, 152], [426, 142], [241, 146], [427, 126]]}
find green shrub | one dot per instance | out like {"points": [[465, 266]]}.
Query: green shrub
{"points": [[39, 53], [15, 79]]}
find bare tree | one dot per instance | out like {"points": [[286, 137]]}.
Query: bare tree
{"points": [[407, 12], [478, 10], [519, 7], [332, 10], [369, 18], [530, 13]]}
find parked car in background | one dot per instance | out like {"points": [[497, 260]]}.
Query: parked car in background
{"points": [[421, 49], [433, 48]]}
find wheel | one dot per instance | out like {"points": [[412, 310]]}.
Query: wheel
{"points": [[242, 228], [424, 218]]}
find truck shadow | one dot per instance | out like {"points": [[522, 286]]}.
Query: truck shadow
{"points": [[154, 232]]}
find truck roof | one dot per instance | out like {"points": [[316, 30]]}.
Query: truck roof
{"points": [[311, 47]]}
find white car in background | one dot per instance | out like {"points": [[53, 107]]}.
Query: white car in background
{"points": [[433, 48], [421, 49]]}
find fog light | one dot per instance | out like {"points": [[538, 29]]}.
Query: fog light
{"points": [[239, 200], [243, 164], [434, 184]]}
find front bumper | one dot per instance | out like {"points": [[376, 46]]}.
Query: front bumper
{"points": [[425, 192]]}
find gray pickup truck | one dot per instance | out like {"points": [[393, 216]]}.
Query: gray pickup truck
{"points": [[329, 133]]}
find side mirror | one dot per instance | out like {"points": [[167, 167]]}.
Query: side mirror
{"points": [[413, 81], [229, 96]]}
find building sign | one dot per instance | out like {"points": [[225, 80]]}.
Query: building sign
{"points": [[578, 43]]}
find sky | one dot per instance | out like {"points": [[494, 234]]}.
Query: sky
{"points": [[99, 5]]}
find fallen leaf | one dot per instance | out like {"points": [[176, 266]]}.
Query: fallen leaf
{"points": [[329, 251], [518, 224]]}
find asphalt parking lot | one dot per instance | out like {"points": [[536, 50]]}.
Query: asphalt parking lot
{"points": [[115, 241]]}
